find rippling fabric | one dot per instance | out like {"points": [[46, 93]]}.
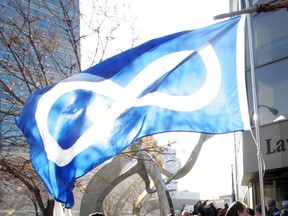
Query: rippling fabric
{"points": [[187, 81]]}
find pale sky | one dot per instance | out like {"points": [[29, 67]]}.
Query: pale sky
{"points": [[150, 19], [211, 175], [162, 17]]}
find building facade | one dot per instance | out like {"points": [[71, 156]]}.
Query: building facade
{"points": [[39, 47], [35, 51], [270, 51]]}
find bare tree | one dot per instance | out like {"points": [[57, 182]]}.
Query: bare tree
{"points": [[107, 28], [40, 45]]}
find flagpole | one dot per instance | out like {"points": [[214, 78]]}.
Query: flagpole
{"points": [[255, 107], [266, 7], [233, 196]]}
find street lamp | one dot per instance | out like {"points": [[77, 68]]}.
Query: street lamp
{"points": [[273, 110]]}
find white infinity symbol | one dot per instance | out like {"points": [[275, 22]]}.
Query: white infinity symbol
{"points": [[125, 98]]}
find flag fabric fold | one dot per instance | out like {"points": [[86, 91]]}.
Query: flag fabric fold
{"points": [[187, 81]]}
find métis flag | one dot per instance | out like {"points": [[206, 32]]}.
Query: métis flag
{"points": [[188, 81]]}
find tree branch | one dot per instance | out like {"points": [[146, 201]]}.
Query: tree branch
{"points": [[31, 187]]}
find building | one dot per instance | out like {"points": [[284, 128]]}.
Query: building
{"points": [[270, 49], [179, 198], [35, 51]]}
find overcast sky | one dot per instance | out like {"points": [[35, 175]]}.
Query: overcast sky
{"points": [[211, 174], [162, 17]]}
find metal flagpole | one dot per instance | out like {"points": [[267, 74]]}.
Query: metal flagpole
{"points": [[255, 107], [265, 7]]}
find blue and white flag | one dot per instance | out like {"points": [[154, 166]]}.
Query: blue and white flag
{"points": [[187, 81]]}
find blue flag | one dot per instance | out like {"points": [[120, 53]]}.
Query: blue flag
{"points": [[187, 81]]}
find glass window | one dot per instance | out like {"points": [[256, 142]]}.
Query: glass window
{"points": [[272, 88], [273, 189], [270, 40], [270, 37]]}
